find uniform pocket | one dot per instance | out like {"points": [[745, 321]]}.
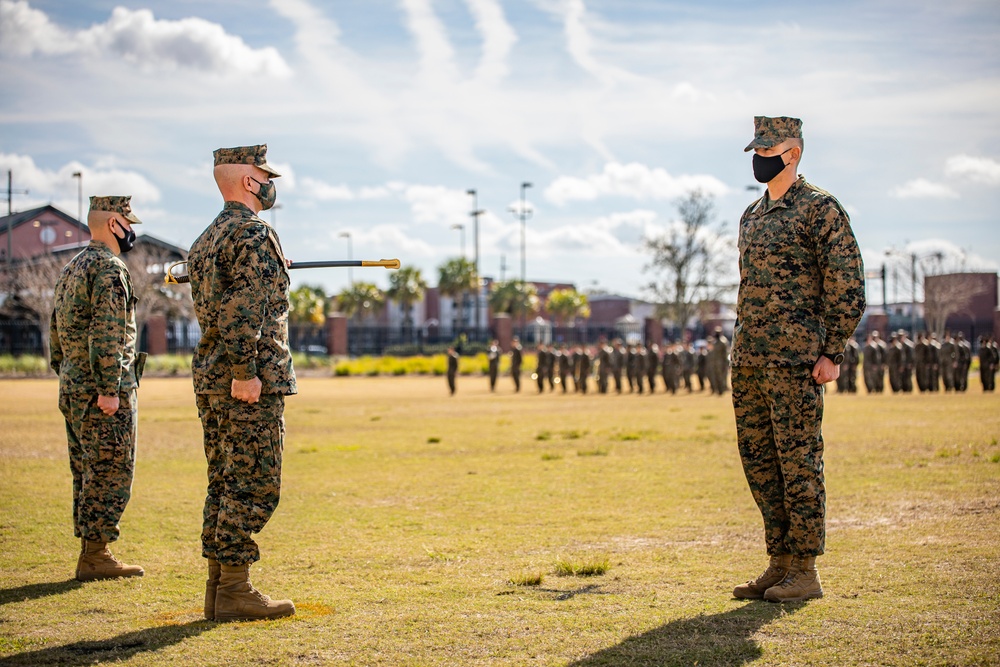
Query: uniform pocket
{"points": [[257, 430]]}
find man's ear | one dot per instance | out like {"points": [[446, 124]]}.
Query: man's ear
{"points": [[112, 222]]}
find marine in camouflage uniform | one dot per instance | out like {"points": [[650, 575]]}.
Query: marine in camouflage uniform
{"points": [[801, 297], [493, 363], [242, 371], [516, 358], [93, 340]]}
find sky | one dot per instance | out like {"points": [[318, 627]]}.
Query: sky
{"points": [[381, 115]]}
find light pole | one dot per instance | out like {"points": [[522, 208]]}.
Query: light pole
{"points": [[274, 215], [523, 213], [475, 213], [350, 274], [461, 229], [78, 175]]}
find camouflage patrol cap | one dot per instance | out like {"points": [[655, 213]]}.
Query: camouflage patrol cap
{"points": [[255, 155], [768, 132], [115, 204]]}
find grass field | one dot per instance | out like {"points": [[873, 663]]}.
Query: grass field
{"points": [[419, 529]]}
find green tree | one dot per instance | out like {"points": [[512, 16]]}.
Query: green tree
{"points": [[406, 287], [307, 305], [361, 300], [514, 298], [565, 305], [456, 277]]}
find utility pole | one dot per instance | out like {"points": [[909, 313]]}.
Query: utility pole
{"points": [[79, 201], [10, 222]]}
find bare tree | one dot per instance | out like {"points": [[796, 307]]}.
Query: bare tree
{"points": [[689, 260], [33, 286], [147, 265], [944, 296]]}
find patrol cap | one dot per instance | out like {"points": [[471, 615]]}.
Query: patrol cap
{"points": [[115, 204], [768, 132], [255, 155]]}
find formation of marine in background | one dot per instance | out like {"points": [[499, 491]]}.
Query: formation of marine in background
{"points": [[899, 365], [927, 364], [613, 366]]}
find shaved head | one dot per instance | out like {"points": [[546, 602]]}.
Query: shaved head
{"points": [[234, 184]]}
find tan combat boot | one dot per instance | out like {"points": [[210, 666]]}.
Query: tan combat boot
{"points": [[237, 599], [774, 574], [211, 586], [97, 562], [801, 582]]}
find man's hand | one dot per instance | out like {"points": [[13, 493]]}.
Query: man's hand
{"points": [[107, 404], [247, 391], [825, 371]]}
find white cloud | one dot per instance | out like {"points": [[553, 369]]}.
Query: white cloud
{"points": [[437, 204], [976, 169], [60, 188], [140, 38], [320, 191], [580, 45], [436, 52], [498, 39], [921, 188], [24, 31], [632, 180]]}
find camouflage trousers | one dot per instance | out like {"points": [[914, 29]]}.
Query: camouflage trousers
{"points": [[102, 461], [779, 414], [243, 447]]}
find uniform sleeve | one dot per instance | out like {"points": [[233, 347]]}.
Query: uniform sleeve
{"points": [[843, 275], [55, 345], [108, 331], [244, 305]]}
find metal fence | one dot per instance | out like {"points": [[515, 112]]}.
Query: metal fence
{"points": [[20, 337]]}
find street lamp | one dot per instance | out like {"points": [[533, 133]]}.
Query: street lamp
{"points": [[274, 215], [523, 213], [350, 274], [475, 213], [78, 175], [461, 229]]}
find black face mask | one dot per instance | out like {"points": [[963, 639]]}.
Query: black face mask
{"points": [[128, 242], [766, 168]]}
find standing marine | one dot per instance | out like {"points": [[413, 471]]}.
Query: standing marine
{"points": [[801, 296], [93, 340], [242, 372]]}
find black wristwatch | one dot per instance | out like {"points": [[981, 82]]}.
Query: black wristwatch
{"points": [[835, 358]]}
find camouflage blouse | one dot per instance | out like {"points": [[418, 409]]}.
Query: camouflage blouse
{"points": [[802, 287], [92, 329], [240, 287]]}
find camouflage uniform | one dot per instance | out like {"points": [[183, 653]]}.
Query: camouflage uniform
{"points": [[93, 339], [801, 296], [493, 363], [617, 364], [240, 284], [516, 355]]}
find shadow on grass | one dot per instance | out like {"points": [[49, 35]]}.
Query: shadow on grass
{"points": [[116, 649], [35, 591], [720, 639]]}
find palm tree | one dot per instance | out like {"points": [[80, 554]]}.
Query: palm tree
{"points": [[456, 277], [362, 300], [514, 298], [406, 287], [307, 305], [566, 305]]}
